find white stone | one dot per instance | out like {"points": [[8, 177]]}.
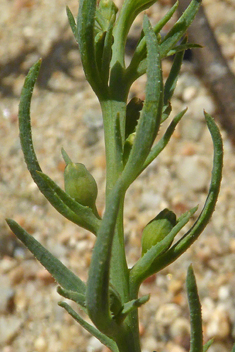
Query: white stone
{"points": [[40, 344], [94, 345], [167, 313], [193, 171]]}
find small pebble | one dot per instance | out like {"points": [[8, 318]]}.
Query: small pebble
{"points": [[7, 349], [9, 327], [6, 294], [200, 103], [16, 275], [94, 345], [167, 313], [175, 286], [223, 293], [150, 344], [189, 93], [45, 277], [219, 325], [171, 347], [40, 344], [193, 171], [180, 332]]}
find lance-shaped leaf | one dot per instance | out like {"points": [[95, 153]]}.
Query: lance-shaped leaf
{"points": [[97, 297], [65, 156], [208, 345], [77, 297], [72, 23], [196, 341], [31, 159], [180, 27], [173, 76], [65, 277], [141, 50], [91, 329], [129, 307], [171, 39], [183, 47], [187, 240], [107, 52], [162, 143], [145, 266], [149, 122], [85, 27]]}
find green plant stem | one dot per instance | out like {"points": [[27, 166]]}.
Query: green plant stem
{"points": [[110, 110], [119, 273], [128, 341]]}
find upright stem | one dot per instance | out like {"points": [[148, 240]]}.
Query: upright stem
{"points": [[119, 273], [111, 109]]}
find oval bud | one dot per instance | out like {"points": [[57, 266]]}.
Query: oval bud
{"points": [[80, 184], [157, 229], [105, 12]]}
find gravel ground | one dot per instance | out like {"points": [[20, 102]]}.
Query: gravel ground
{"points": [[66, 113]]}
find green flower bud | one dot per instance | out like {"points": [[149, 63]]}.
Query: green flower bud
{"points": [[104, 14], [80, 184], [107, 9], [157, 229]]}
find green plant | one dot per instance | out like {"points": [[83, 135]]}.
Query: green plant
{"points": [[110, 296]]}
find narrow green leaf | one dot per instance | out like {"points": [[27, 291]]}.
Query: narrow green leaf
{"points": [[180, 27], [196, 342], [156, 150], [72, 23], [66, 278], [183, 47], [79, 298], [130, 306], [149, 122], [166, 110], [65, 156], [99, 48], [139, 66], [29, 153], [91, 329], [141, 49], [85, 27], [208, 345], [187, 240], [146, 266], [107, 51], [84, 215], [173, 77], [98, 280]]}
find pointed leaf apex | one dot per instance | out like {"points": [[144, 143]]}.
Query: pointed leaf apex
{"points": [[65, 156]]}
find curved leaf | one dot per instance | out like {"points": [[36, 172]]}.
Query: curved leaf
{"points": [[196, 341], [91, 329], [187, 240], [65, 277], [29, 153]]}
